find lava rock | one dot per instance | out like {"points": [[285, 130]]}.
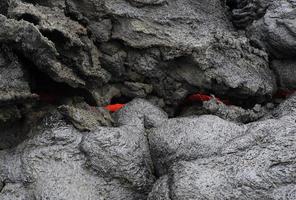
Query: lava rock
{"points": [[141, 113], [15, 92], [14, 83], [160, 190], [257, 164], [86, 118], [101, 31], [115, 51], [285, 71], [236, 113], [58, 161], [51, 165], [121, 152], [189, 139], [275, 31], [244, 12], [164, 49], [26, 38], [285, 108], [72, 56], [4, 7], [135, 89]]}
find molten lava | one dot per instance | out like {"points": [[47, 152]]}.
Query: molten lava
{"points": [[114, 107]]}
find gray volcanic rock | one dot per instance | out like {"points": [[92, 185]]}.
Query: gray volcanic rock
{"points": [[137, 48], [275, 31], [77, 51], [174, 46], [26, 38], [59, 162], [258, 164], [101, 30], [4, 4], [285, 108], [122, 153], [135, 89], [141, 113], [171, 24], [244, 12], [235, 113], [51, 164], [86, 118], [75, 62], [14, 84], [195, 52], [160, 190], [198, 157], [231, 63], [79, 56], [189, 139], [285, 71], [270, 25]]}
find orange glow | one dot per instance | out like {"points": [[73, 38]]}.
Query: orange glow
{"points": [[114, 107]]}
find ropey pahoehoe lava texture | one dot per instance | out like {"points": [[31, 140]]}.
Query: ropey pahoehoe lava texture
{"points": [[147, 99]]}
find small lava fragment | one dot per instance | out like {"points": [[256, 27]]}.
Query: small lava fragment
{"points": [[114, 107]]}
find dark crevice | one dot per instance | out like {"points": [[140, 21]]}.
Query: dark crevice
{"points": [[246, 104], [13, 133], [69, 53], [170, 183], [4, 7], [2, 185], [257, 45], [179, 109], [30, 1], [50, 91], [232, 4], [29, 18], [237, 4], [121, 99], [276, 74], [54, 92], [140, 4], [71, 12], [56, 37]]}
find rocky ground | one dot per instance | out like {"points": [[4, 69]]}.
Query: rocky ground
{"points": [[63, 61]]}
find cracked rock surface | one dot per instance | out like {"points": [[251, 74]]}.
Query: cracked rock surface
{"points": [[96, 99]]}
